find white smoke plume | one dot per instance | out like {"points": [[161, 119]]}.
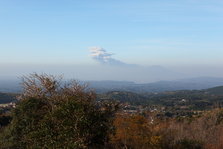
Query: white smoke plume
{"points": [[102, 56]]}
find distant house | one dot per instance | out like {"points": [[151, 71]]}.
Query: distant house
{"points": [[183, 100]]}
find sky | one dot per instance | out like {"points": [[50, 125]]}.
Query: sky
{"points": [[173, 34]]}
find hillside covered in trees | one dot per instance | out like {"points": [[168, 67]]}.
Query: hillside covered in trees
{"points": [[7, 97], [49, 114], [193, 99]]}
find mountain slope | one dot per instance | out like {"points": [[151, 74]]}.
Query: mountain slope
{"points": [[7, 97], [215, 91]]}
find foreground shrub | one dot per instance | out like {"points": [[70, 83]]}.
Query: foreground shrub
{"points": [[51, 115]]}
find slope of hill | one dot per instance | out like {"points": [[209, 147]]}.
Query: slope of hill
{"points": [[189, 99], [123, 97], [215, 91], [7, 97]]}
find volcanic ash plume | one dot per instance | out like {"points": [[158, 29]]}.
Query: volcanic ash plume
{"points": [[102, 56]]}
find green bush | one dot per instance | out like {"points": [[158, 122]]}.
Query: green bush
{"points": [[65, 117]]}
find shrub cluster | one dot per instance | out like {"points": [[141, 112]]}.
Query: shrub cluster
{"points": [[51, 114]]}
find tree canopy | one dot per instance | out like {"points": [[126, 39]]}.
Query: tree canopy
{"points": [[51, 114]]}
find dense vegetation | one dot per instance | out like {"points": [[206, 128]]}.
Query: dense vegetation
{"points": [[139, 132], [51, 114], [193, 100]]}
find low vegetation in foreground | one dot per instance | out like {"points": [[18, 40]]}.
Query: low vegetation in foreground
{"points": [[51, 114]]}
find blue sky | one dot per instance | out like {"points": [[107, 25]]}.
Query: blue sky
{"points": [[145, 32]]}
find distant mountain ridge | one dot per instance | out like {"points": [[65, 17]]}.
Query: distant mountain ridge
{"points": [[10, 86], [134, 97], [198, 83], [160, 86], [216, 90]]}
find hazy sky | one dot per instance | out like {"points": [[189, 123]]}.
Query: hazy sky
{"points": [[144, 32]]}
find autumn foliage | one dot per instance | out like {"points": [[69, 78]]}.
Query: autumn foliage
{"points": [[138, 132], [54, 114]]}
